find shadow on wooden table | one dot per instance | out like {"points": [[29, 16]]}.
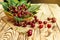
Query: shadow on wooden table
{"points": [[46, 1]]}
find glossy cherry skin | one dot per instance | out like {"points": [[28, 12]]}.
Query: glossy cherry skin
{"points": [[48, 19], [29, 32], [32, 25], [40, 26], [35, 17], [53, 20], [45, 22], [40, 22], [48, 25]]}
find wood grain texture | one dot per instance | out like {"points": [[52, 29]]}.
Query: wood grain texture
{"points": [[44, 12]]}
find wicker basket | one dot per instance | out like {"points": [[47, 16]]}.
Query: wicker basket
{"points": [[10, 16]]}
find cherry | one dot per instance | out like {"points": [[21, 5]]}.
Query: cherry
{"points": [[53, 20], [16, 24], [29, 23], [25, 12], [14, 14], [40, 22], [48, 19], [25, 22], [26, 8], [15, 11], [19, 15], [19, 7], [32, 25], [35, 17], [41, 26], [49, 25], [29, 32], [24, 25], [23, 6], [45, 22], [20, 24], [11, 8], [36, 20], [22, 13], [33, 21]]}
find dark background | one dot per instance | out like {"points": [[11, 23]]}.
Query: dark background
{"points": [[44, 1]]}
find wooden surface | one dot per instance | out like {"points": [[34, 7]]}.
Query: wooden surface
{"points": [[48, 10]]}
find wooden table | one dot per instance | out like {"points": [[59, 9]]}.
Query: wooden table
{"points": [[46, 10]]}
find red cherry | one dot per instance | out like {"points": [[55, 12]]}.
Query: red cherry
{"points": [[33, 21], [45, 22], [53, 20], [35, 17], [23, 6], [40, 22], [25, 22], [24, 25], [29, 23], [19, 7], [20, 24], [20, 12], [16, 24], [14, 14], [41, 26], [32, 25], [12, 8], [26, 8], [36, 20], [25, 13], [48, 19], [29, 32], [19, 15], [49, 25], [15, 11]]}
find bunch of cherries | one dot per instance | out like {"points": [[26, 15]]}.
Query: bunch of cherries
{"points": [[20, 11], [53, 20], [41, 24]]}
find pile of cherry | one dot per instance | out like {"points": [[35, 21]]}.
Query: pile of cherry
{"points": [[32, 23], [20, 11], [41, 24]]}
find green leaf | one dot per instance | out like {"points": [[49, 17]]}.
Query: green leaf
{"points": [[18, 19], [33, 8], [16, 1], [12, 2], [28, 5], [23, 2], [5, 5]]}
